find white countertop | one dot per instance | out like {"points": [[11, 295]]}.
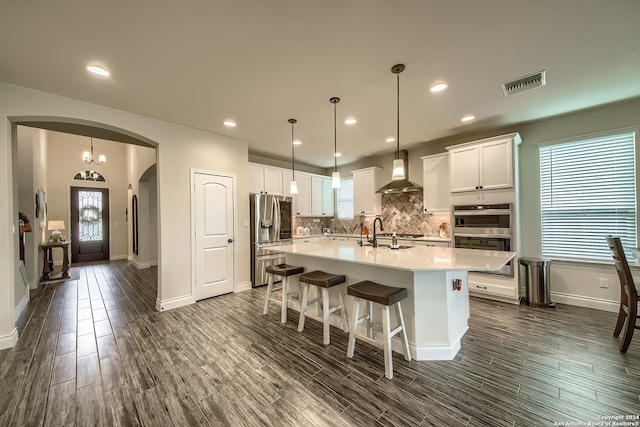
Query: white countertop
{"points": [[418, 258]]}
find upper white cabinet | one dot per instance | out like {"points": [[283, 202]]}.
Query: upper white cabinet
{"points": [[436, 183], [365, 199], [265, 180], [321, 196], [302, 202], [483, 165]]}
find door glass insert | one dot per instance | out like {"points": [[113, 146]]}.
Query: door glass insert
{"points": [[90, 215]]}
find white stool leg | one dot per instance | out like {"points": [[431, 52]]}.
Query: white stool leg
{"points": [[303, 305], [370, 325], [285, 290], [388, 357], [352, 332], [320, 301], [343, 312], [405, 346], [325, 316], [268, 297]]}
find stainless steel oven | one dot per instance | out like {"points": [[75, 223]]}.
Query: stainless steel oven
{"points": [[486, 227]]}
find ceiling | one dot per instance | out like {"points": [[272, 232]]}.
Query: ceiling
{"points": [[261, 62]]}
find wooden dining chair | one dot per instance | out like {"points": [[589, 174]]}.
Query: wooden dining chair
{"points": [[628, 314]]}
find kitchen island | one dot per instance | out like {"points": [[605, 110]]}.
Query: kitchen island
{"points": [[437, 307]]}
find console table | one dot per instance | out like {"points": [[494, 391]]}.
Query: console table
{"points": [[46, 249]]}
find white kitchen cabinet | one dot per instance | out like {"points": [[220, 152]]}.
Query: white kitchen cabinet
{"points": [[435, 243], [321, 196], [265, 180], [483, 165], [365, 199], [302, 202], [436, 183]]}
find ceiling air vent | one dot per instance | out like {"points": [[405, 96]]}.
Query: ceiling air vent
{"points": [[524, 83]]}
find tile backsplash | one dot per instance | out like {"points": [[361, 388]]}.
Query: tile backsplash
{"points": [[402, 213]]}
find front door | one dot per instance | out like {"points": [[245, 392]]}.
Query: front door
{"points": [[89, 224], [214, 221]]}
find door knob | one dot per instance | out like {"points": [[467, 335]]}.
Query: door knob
{"points": [[230, 240]]}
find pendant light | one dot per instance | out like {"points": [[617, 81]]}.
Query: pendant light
{"points": [[293, 189], [87, 157], [335, 176], [398, 163]]}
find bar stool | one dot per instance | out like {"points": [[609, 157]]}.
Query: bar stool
{"points": [[323, 281], [386, 296], [284, 271]]}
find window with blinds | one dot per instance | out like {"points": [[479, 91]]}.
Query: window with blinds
{"points": [[588, 192], [345, 199]]}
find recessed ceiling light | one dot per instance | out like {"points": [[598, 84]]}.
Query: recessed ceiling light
{"points": [[98, 70], [229, 123], [297, 142], [468, 118], [350, 121], [390, 139], [439, 87], [337, 154]]}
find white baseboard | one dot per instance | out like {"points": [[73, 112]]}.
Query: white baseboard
{"points": [[434, 352], [21, 305], [243, 286], [588, 302], [153, 263], [140, 265], [34, 284], [118, 257], [174, 303], [8, 341]]}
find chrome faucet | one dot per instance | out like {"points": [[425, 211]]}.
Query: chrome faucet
{"points": [[375, 239]]}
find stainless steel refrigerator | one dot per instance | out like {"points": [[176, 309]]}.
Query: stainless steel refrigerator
{"points": [[270, 219]]}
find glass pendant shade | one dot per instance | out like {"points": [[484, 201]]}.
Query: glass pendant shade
{"points": [[335, 180], [293, 189], [398, 169], [102, 158], [86, 156]]}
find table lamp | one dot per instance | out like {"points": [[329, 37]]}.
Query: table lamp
{"points": [[56, 226]]}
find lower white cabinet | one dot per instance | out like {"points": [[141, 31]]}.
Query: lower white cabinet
{"points": [[431, 243]]}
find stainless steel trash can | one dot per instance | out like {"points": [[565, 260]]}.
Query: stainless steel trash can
{"points": [[536, 281]]}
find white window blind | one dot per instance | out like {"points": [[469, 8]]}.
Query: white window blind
{"points": [[588, 192], [345, 199]]}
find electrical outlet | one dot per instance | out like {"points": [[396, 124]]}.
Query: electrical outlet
{"points": [[604, 282]]}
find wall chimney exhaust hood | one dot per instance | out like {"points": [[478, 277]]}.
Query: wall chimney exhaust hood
{"points": [[401, 185]]}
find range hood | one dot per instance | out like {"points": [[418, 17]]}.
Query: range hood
{"points": [[401, 185]]}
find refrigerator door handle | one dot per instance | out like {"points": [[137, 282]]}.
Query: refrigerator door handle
{"points": [[276, 218]]}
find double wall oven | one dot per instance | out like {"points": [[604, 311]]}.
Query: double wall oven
{"points": [[486, 226]]}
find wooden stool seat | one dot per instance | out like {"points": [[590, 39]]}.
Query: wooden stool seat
{"points": [[374, 292], [387, 296], [323, 281], [284, 271]]}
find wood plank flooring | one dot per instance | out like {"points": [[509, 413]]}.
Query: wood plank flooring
{"points": [[94, 351]]}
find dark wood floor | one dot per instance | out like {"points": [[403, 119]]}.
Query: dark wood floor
{"points": [[96, 352]]}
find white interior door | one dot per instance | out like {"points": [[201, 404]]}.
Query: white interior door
{"points": [[214, 216]]}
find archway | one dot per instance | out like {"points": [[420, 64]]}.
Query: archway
{"points": [[71, 126]]}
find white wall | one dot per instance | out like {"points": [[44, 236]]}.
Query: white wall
{"points": [[180, 148]]}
